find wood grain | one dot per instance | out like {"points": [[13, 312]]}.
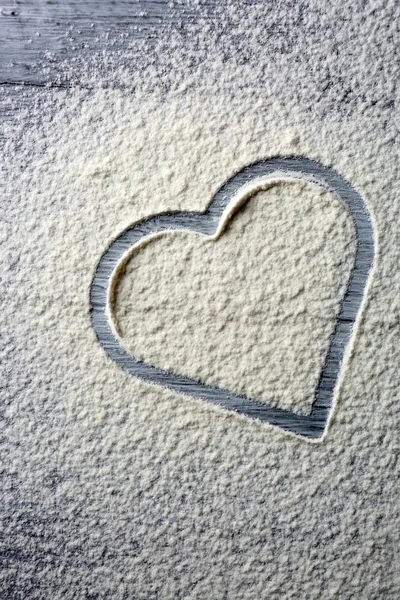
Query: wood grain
{"points": [[36, 34]]}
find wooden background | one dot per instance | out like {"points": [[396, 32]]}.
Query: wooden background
{"points": [[30, 29]]}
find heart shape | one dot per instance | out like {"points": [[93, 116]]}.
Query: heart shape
{"points": [[233, 194]]}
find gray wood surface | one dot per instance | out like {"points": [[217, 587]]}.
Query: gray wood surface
{"points": [[31, 29], [37, 35]]}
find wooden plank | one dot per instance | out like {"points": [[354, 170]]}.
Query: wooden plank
{"points": [[32, 29]]}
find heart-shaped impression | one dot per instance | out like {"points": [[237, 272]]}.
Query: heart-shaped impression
{"points": [[233, 194]]}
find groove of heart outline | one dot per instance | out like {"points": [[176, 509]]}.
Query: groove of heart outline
{"points": [[233, 194]]}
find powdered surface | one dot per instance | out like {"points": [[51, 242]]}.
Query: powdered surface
{"points": [[252, 312], [118, 489]]}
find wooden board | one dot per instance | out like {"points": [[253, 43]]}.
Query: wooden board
{"points": [[36, 34]]}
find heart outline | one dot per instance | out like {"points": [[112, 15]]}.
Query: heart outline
{"points": [[235, 192]]}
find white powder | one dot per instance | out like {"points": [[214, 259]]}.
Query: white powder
{"points": [[252, 312], [118, 489]]}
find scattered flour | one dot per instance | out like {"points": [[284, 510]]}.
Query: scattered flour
{"points": [[118, 489]]}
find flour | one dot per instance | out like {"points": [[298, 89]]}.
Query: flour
{"points": [[118, 489], [252, 312]]}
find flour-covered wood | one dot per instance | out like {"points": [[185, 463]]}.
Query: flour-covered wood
{"points": [[35, 35]]}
